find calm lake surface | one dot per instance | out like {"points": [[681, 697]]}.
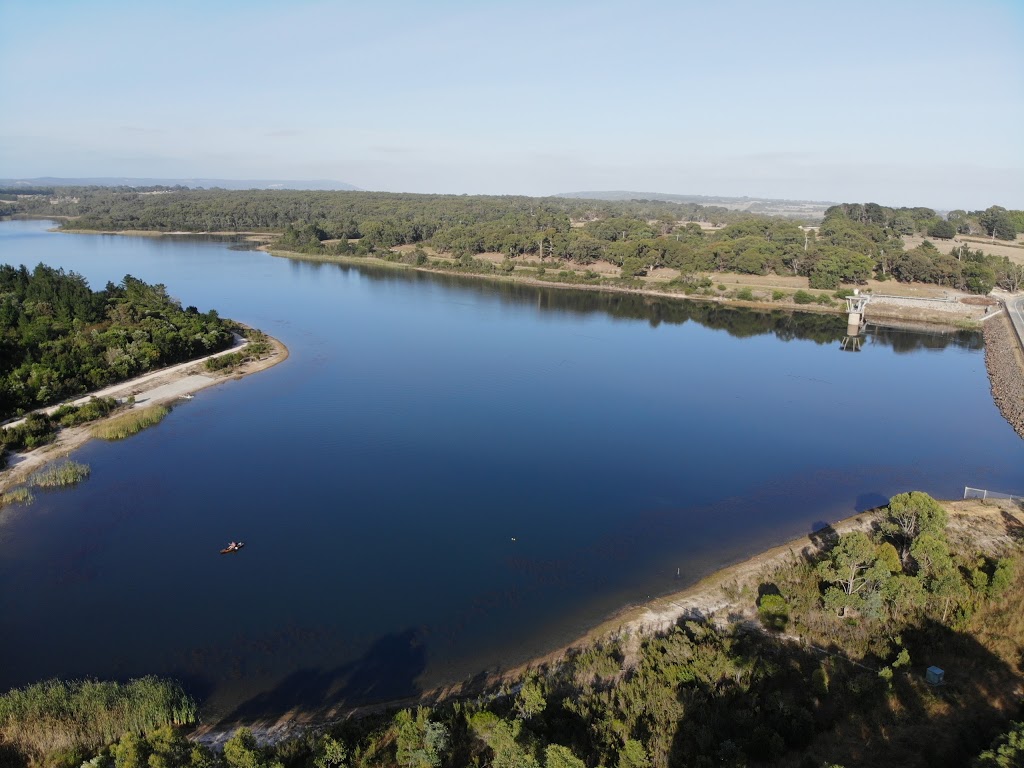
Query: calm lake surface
{"points": [[450, 475]]}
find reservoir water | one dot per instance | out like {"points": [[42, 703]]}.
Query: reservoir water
{"points": [[450, 475]]}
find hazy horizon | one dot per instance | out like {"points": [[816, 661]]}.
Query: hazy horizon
{"points": [[899, 104]]}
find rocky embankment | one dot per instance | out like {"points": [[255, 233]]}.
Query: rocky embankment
{"points": [[1005, 371]]}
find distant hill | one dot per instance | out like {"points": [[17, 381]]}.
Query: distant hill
{"points": [[762, 205], [111, 181]]}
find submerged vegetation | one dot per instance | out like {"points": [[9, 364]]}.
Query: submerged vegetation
{"points": [[59, 474], [130, 423]]}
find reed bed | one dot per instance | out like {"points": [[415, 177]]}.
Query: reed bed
{"points": [[54, 718], [131, 423], [59, 475], [16, 496]]}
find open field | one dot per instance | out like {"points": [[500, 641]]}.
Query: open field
{"points": [[1013, 251]]}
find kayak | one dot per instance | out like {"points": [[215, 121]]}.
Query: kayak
{"points": [[229, 550]]}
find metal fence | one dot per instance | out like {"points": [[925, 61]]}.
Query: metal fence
{"points": [[981, 493]]}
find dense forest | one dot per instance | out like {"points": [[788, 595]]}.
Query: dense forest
{"points": [[59, 338], [852, 244], [832, 673]]}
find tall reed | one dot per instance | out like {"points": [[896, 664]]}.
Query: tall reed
{"points": [[59, 474], [131, 423], [56, 717], [16, 496]]}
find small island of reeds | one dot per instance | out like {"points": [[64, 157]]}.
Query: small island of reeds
{"points": [[16, 496], [59, 475]]}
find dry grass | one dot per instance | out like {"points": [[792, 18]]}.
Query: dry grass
{"points": [[491, 257], [59, 475], [1014, 251], [130, 423], [16, 496]]}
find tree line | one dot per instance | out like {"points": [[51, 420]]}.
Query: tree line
{"points": [[855, 242], [396, 217], [59, 338]]}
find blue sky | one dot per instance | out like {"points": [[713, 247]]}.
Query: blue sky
{"points": [[903, 103]]}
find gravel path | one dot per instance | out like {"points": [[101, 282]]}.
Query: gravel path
{"points": [[1005, 371]]}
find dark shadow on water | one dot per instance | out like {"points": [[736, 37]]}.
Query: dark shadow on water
{"points": [[387, 671], [866, 501]]}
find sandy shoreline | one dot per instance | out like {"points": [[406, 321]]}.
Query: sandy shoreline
{"points": [[163, 386], [943, 316], [726, 596]]}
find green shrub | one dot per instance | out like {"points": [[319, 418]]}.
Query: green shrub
{"points": [[745, 294], [773, 610], [37, 429], [1007, 750], [778, 295], [803, 297], [822, 279], [820, 681], [689, 284], [258, 346], [96, 408]]}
